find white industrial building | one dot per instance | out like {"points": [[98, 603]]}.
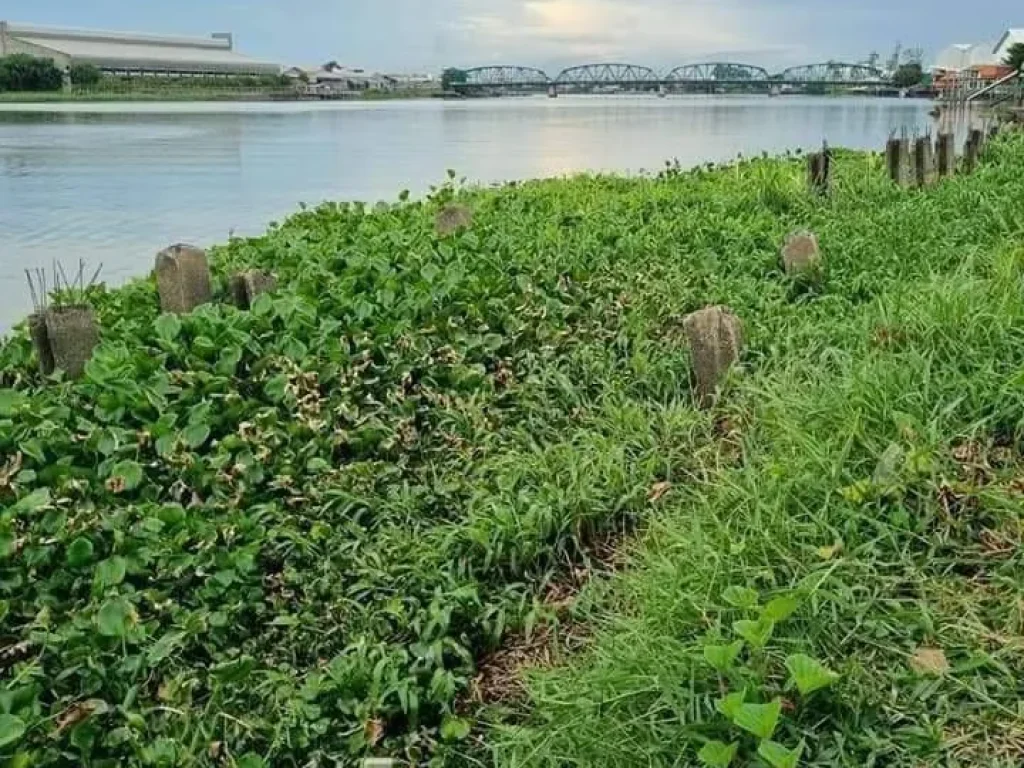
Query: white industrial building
{"points": [[130, 53]]}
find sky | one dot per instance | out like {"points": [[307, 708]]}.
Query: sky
{"points": [[428, 35]]}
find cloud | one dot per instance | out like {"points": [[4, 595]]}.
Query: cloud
{"points": [[643, 31]]}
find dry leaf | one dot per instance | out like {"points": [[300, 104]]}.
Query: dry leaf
{"points": [[76, 713], [373, 731], [658, 490], [929, 661]]}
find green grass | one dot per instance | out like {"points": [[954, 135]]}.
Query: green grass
{"points": [[290, 534], [166, 94]]}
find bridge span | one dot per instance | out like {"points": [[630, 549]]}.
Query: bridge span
{"points": [[704, 75]]}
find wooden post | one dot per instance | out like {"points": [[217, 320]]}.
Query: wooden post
{"points": [[898, 161], [819, 171], [945, 149], [924, 162], [972, 150]]}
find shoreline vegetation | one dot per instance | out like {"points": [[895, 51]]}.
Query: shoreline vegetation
{"points": [[445, 494], [196, 94]]}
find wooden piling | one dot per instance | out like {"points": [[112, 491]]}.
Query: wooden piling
{"points": [[946, 153], [924, 162]]}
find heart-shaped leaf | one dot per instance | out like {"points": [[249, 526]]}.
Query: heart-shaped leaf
{"points": [[722, 657], [167, 327], [114, 618], [454, 728], [717, 754], [809, 674], [781, 608], [79, 552], [757, 633], [126, 475], [731, 704], [110, 573], [11, 729], [759, 719], [196, 434], [777, 756], [740, 597]]}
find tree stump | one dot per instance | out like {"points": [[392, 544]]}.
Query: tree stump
{"points": [[716, 338], [183, 278]]}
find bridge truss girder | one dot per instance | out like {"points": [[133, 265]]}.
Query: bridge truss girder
{"points": [[718, 72], [833, 73], [505, 76], [607, 74]]}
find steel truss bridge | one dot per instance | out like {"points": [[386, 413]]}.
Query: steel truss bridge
{"points": [[636, 77]]}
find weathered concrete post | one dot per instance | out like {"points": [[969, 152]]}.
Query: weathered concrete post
{"points": [[64, 338], [972, 150], [924, 162], [801, 256], [946, 151], [897, 160], [716, 338], [819, 171], [183, 278], [246, 286]]}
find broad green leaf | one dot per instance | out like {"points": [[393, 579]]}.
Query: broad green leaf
{"points": [[275, 387], [731, 704], [777, 756], [110, 573], [757, 633], [809, 674], [196, 434], [740, 597], [759, 719], [168, 327], [36, 500], [781, 608], [10, 401], [251, 760], [455, 728], [11, 729], [165, 445], [114, 618], [717, 754], [129, 472], [80, 552], [722, 657]]}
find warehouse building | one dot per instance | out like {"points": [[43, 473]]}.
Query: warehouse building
{"points": [[132, 54]]}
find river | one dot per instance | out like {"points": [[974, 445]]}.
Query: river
{"points": [[114, 183]]}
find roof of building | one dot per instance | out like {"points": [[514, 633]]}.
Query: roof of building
{"points": [[127, 50]]}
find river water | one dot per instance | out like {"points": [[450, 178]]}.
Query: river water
{"points": [[115, 183]]}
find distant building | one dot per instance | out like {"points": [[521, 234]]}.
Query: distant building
{"points": [[334, 79], [132, 54], [967, 67]]}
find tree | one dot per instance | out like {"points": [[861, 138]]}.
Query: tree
{"points": [[21, 72], [908, 75], [1015, 57], [84, 75], [452, 77]]}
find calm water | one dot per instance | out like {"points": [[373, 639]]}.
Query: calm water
{"points": [[114, 183]]}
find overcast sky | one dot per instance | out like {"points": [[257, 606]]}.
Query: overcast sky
{"points": [[427, 35]]}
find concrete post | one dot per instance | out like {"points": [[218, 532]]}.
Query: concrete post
{"points": [[64, 338], [716, 338], [183, 278], [924, 162], [801, 256], [946, 151], [819, 171], [898, 161], [452, 218], [246, 286], [972, 150]]}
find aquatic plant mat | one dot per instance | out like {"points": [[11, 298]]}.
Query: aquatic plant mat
{"points": [[295, 534]]}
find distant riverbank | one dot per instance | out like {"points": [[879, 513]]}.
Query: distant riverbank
{"points": [[197, 94]]}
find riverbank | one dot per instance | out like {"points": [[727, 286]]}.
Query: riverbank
{"points": [[342, 522], [196, 94]]}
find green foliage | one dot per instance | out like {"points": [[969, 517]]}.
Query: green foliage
{"points": [[84, 75], [451, 77], [22, 72], [1015, 57], [717, 754], [908, 75], [809, 674], [310, 521], [777, 756]]}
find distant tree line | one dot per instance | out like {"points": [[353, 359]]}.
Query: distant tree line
{"points": [[21, 72]]}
